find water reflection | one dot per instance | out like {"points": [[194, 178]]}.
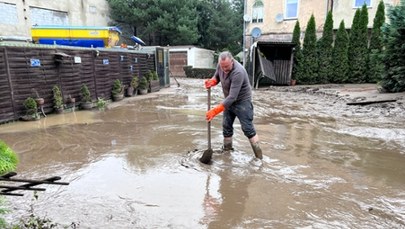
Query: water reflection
{"points": [[136, 166]]}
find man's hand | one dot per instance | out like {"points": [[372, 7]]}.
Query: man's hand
{"points": [[210, 83], [214, 112]]}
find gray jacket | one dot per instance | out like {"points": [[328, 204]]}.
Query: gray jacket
{"points": [[235, 85]]}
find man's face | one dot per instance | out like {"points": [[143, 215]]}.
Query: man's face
{"points": [[226, 65]]}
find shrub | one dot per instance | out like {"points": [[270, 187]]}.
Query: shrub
{"points": [[8, 159], [135, 81], [85, 93], [117, 87], [57, 97], [143, 83], [30, 105], [199, 73]]}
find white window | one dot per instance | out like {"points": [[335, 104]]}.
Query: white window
{"points": [[8, 14], [291, 9], [257, 12], [360, 3], [48, 17]]}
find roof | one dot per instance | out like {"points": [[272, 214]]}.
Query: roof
{"points": [[275, 43]]}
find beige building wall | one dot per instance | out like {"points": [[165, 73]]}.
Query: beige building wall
{"points": [[281, 30], [345, 10], [15, 15]]}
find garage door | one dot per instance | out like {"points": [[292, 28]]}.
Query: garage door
{"points": [[177, 61]]}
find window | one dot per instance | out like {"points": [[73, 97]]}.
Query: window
{"points": [[48, 17], [8, 14], [359, 3], [257, 14], [291, 9]]}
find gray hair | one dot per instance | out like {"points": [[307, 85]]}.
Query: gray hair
{"points": [[225, 55]]}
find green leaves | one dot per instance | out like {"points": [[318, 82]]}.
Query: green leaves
{"points": [[212, 24], [8, 159], [393, 55]]}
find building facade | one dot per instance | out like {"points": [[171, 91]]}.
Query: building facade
{"points": [[269, 20], [17, 16]]}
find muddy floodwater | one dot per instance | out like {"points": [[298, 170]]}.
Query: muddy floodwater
{"points": [[135, 165]]}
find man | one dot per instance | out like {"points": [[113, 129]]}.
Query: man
{"points": [[238, 101]]}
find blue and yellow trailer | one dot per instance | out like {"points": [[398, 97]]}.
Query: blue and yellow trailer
{"points": [[82, 36]]}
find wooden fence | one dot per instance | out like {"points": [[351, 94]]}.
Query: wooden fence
{"points": [[26, 69]]}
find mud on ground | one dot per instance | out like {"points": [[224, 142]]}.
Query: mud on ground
{"points": [[336, 99]]}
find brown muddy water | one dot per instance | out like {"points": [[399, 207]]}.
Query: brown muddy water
{"points": [[136, 165]]}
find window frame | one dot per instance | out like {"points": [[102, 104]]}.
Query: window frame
{"points": [[286, 3], [260, 11], [368, 5]]}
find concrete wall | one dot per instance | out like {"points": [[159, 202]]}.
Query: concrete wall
{"points": [[17, 17]]}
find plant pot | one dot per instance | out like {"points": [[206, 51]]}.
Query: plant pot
{"points": [[86, 105], [130, 91], [154, 86], [40, 101], [59, 110], [143, 91], [293, 82], [31, 117], [118, 97], [71, 100]]}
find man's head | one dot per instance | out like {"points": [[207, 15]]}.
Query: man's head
{"points": [[225, 61]]}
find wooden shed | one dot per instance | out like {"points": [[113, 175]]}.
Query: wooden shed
{"points": [[180, 56], [272, 63]]}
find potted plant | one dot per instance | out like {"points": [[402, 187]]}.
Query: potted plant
{"points": [[143, 86], [57, 99], [153, 79], [101, 104], [117, 90], [31, 109], [133, 86], [39, 100], [86, 102]]}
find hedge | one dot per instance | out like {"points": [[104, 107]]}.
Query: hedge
{"points": [[198, 73]]}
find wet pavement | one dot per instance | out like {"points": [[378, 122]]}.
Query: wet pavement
{"points": [[135, 165]]}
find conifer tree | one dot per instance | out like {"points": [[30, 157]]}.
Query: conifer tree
{"points": [[376, 67], [297, 50], [358, 51], [325, 50], [309, 72], [394, 50], [340, 62]]}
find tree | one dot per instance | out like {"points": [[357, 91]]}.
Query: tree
{"points": [[376, 67], [340, 62], [394, 52], [133, 16], [325, 50], [224, 26], [309, 72], [212, 24], [176, 23], [358, 51], [296, 40]]}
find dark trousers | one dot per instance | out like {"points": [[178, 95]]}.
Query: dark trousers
{"points": [[244, 111]]}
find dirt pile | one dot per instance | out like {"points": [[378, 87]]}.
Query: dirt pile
{"points": [[359, 98]]}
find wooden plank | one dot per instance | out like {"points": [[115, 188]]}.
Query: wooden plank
{"points": [[368, 102]]}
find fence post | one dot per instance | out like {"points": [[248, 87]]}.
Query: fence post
{"points": [[9, 82]]}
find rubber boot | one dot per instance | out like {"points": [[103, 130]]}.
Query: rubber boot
{"points": [[227, 144], [254, 142]]}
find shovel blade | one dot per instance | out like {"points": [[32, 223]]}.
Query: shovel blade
{"points": [[206, 157]]}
